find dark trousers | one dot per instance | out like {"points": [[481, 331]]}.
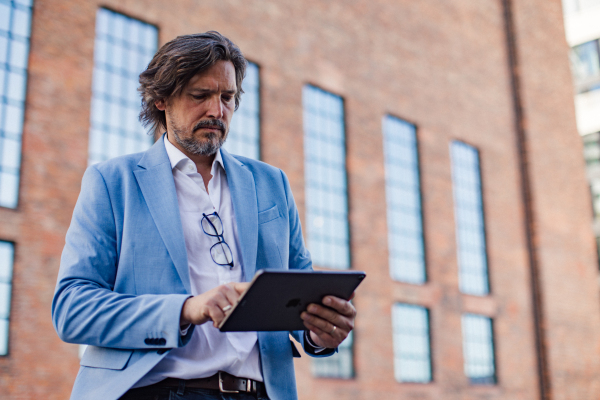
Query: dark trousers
{"points": [[164, 393]]}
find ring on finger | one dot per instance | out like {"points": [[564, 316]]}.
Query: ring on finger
{"points": [[332, 330], [226, 308]]}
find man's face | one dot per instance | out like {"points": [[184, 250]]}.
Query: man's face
{"points": [[198, 118]]}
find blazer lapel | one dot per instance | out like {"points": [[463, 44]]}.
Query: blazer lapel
{"points": [[243, 197], [155, 179]]}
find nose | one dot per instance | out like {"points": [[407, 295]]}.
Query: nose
{"points": [[215, 107]]}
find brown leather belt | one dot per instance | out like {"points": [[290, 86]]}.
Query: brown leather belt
{"points": [[221, 381]]}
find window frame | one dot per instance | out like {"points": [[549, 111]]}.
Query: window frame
{"points": [[13, 249], [492, 349], [428, 337], [258, 114], [103, 137], [6, 101], [458, 223], [418, 193], [343, 172]]}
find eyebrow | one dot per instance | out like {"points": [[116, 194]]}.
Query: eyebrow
{"points": [[200, 90]]}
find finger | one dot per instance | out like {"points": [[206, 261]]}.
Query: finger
{"points": [[240, 287], [230, 293], [324, 325], [322, 338], [330, 316], [220, 301], [216, 314], [315, 329], [325, 339], [342, 306]]}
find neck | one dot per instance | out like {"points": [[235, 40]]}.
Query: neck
{"points": [[203, 163]]}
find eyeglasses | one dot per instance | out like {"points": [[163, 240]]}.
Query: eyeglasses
{"points": [[220, 251]]}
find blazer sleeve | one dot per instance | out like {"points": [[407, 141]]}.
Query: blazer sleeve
{"points": [[85, 309]]}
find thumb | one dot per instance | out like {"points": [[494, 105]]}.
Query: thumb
{"points": [[240, 287]]}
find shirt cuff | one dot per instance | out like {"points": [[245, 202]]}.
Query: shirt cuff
{"points": [[183, 330], [316, 349]]}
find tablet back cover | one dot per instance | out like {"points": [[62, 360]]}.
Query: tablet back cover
{"points": [[276, 299]]}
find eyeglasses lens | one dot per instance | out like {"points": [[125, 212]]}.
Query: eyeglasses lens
{"points": [[221, 253], [216, 225]]}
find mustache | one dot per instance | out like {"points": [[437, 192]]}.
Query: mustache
{"points": [[210, 123]]}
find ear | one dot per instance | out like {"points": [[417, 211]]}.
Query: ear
{"points": [[160, 104]]}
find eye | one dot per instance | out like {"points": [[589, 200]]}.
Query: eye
{"points": [[227, 98]]}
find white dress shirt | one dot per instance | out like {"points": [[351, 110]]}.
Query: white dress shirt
{"points": [[209, 350]]}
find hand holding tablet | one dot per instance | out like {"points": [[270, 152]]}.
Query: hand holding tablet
{"points": [[275, 301]]}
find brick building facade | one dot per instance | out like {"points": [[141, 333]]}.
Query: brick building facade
{"points": [[492, 75]]}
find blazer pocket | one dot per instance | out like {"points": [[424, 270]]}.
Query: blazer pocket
{"points": [[104, 357], [268, 215]]}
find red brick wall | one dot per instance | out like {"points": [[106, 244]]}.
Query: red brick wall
{"points": [[441, 65], [562, 207]]}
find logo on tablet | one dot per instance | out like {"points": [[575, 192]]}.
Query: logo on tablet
{"points": [[293, 303]]}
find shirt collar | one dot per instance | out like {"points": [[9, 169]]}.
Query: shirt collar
{"points": [[179, 160]]}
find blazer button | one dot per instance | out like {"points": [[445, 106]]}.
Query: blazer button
{"points": [[161, 342], [149, 341]]}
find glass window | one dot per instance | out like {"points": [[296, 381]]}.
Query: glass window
{"points": [[122, 50], [572, 6], [6, 269], [244, 134], [468, 212], [339, 365], [478, 349], [403, 193], [591, 151], [15, 28], [585, 61], [325, 178], [412, 351], [591, 148]]}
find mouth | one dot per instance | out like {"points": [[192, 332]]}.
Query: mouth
{"points": [[212, 129], [214, 126]]}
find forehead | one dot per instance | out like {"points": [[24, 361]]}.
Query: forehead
{"points": [[220, 76]]}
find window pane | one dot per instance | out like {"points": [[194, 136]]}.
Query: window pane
{"points": [[244, 134], [3, 337], [403, 193], [412, 352], [9, 189], [14, 54], [6, 261], [4, 300], [21, 17], [339, 365], [6, 267], [325, 177], [585, 61], [478, 349], [468, 211], [11, 153], [572, 6], [115, 106]]}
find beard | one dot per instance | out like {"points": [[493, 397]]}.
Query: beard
{"points": [[208, 146]]}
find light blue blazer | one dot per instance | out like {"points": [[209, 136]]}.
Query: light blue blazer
{"points": [[124, 273]]}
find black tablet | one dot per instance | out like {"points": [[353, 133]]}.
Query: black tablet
{"points": [[275, 299]]}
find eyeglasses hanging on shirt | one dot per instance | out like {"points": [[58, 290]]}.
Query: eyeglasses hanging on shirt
{"points": [[220, 251]]}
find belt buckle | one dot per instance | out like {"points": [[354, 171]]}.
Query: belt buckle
{"points": [[221, 386]]}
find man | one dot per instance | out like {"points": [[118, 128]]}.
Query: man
{"points": [[162, 242]]}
